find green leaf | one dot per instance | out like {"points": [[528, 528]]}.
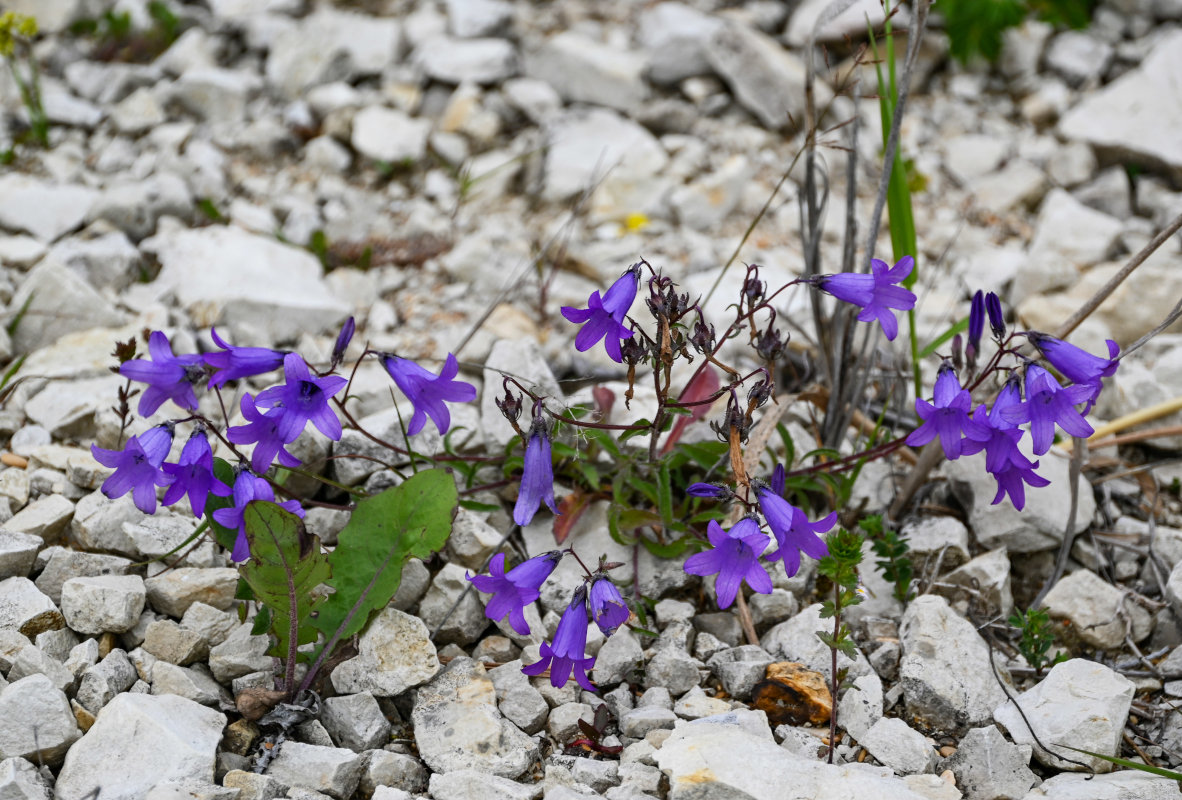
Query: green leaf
{"points": [[286, 564], [664, 494], [1124, 762], [476, 505], [413, 519], [958, 327]]}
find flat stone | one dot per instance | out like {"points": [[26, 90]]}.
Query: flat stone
{"points": [[398, 770], [18, 551], [136, 206], [174, 644], [468, 784], [1123, 120], [25, 609], [944, 683], [639, 721], [64, 564], [988, 766], [331, 45], [106, 679], [716, 761], [39, 724], [584, 144], [674, 37], [1071, 234], [45, 210], [20, 780], [191, 683], [1096, 611], [765, 78], [1079, 703], [518, 700], [457, 61], [230, 276], [1126, 783], [986, 577], [140, 740], [457, 725], [106, 603], [240, 654], [861, 705], [796, 640], [389, 135], [34, 661], [174, 591], [583, 70], [897, 745], [849, 23], [395, 653], [46, 517], [334, 771], [356, 721]]}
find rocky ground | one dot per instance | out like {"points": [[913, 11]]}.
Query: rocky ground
{"points": [[273, 166]]}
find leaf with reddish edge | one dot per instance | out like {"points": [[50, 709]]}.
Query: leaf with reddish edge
{"points": [[704, 383], [570, 509], [604, 398]]}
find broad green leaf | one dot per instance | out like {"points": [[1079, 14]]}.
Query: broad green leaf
{"points": [[412, 519], [286, 564]]}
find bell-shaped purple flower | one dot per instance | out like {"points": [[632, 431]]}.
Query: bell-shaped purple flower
{"points": [[793, 532], [193, 475], [735, 558], [235, 363], [569, 651], [603, 318], [168, 377], [428, 392], [948, 417], [247, 489], [608, 608], [1077, 365], [876, 293], [512, 591], [1003, 460], [138, 467], [262, 430], [537, 476], [302, 399], [1048, 404]]}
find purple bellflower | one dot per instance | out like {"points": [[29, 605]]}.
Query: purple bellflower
{"points": [[302, 399], [428, 392], [1048, 404], [537, 476], [1003, 460], [569, 651], [137, 467], [262, 430], [342, 344], [234, 363], [948, 417], [1076, 365], [735, 558], [608, 608], [512, 591], [791, 527], [603, 318], [193, 475], [248, 488], [168, 377], [875, 293]]}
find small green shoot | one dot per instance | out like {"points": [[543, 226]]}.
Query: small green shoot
{"points": [[1036, 638]]}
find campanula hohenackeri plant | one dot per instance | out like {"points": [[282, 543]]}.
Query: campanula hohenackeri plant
{"points": [[138, 467], [512, 591], [428, 392]]}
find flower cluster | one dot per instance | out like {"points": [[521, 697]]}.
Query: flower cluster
{"points": [[512, 591], [734, 554], [1048, 404], [274, 419]]}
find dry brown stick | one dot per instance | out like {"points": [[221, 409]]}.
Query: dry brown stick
{"points": [[1137, 436]]}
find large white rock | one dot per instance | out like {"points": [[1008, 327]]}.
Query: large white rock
{"points": [[947, 682], [1128, 119], [457, 725], [332, 45], [59, 302], [103, 603], [140, 740], [38, 722], [482, 61], [674, 36], [46, 210], [765, 78], [1128, 784], [386, 134], [225, 274], [1079, 703], [1069, 237], [705, 760], [586, 71], [394, 654], [849, 23], [1096, 610], [584, 144]]}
